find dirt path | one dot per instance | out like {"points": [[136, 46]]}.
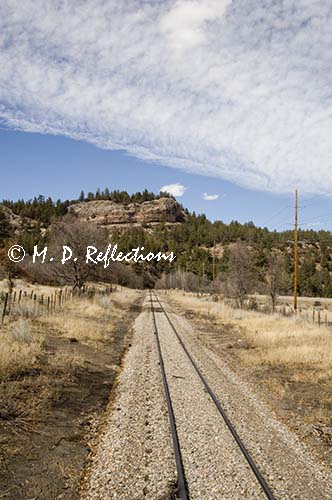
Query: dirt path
{"points": [[134, 459]]}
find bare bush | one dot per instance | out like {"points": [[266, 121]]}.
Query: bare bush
{"points": [[77, 236], [241, 275], [179, 279], [275, 278]]}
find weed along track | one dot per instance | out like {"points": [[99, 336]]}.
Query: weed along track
{"points": [[183, 487]]}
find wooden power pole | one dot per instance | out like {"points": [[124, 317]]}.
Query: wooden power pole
{"points": [[296, 249], [214, 262]]}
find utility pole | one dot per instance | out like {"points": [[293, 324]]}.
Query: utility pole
{"points": [[296, 249], [214, 262]]}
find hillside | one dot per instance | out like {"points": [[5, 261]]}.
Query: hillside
{"points": [[159, 222]]}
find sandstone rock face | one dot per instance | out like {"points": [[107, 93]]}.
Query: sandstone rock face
{"points": [[109, 214]]}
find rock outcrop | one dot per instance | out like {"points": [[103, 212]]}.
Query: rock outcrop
{"points": [[17, 223], [109, 214]]}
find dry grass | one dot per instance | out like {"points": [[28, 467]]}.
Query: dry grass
{"points": [[308, 307], [90, 321], [80, 320], [53, 389], [30, 374], [28, 287], [86, 320], [19, 347], [277, 340]]}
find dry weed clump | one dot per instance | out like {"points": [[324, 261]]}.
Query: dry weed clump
{"points": [[19, 348], [28, 309]]}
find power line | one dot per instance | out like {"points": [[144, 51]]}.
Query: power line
{"points": [[276, 214], [322, 216]]}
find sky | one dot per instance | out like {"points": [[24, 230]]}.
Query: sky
{"points": [[225, 103]]}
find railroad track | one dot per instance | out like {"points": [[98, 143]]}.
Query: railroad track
{"points": [[182, 486]]}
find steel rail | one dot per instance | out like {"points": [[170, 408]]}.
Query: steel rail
{"points": [[182, 486], [214, 398]]}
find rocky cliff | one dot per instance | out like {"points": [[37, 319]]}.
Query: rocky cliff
{"points": [[109, 214]]}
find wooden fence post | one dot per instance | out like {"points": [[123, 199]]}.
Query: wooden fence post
{"points": [[10, 301], [4, 309], [35, 304]]}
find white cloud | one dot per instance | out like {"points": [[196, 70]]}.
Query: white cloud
{"points": [[174, 189], [210, 197], [184, 23], [239, 90]]}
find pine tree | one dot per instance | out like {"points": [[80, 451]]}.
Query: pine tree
{"points": [[5, 228], [81, 197]]}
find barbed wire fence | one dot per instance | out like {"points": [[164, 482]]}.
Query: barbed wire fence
{"points": [[30, 304]]}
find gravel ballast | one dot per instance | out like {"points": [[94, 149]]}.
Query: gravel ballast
{"points": [[134, 458]]}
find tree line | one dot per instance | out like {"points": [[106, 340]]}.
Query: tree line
{"points": [[44, 210]]}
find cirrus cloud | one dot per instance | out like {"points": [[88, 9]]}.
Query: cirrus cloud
{"points": [[234, 89]]}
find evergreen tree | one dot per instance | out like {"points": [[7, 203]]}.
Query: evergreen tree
{"points": [[5, 228]]}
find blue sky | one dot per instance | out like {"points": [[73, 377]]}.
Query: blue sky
{"points": [[225, 97], [32, 164]]}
